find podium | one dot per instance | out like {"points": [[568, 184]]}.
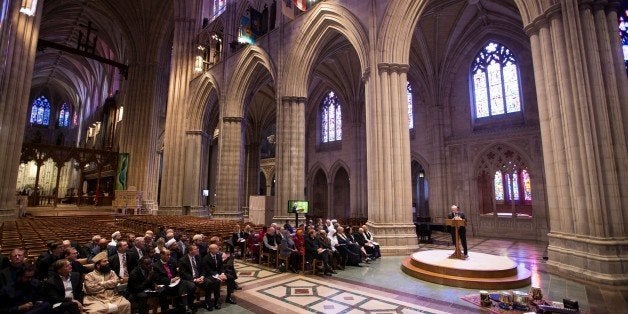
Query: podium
{"points": [[456, 223]]}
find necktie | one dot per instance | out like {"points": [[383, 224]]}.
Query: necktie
{"points": [[123, 268], [215, 261], [139, 252], [194, 271], [167, 268]]}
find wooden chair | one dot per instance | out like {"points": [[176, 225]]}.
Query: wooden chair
{"points": [[314, 263]]}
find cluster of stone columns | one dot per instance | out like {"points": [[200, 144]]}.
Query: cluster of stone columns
{"points": [[388, 158], [186, 25], [290, 154], [18, 43], [230, 172], [582, 94]]}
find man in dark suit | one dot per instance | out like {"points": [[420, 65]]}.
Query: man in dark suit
{"points": [[141, 283], [455, 213], [138, 250], [190, 269], [314, 251], [23, 295], [45, 260], [122, 263], [215, 272], [54, 288], [168, 280], [71, 255]]}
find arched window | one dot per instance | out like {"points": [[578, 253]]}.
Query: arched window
{"points": [[64, 116], [410, 106], [623, 34], [331, 118], [40, 111], [504, 184], [516, 184], [495, 82]]}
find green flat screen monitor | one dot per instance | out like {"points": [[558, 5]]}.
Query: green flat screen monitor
{"points": [[296, 206]]}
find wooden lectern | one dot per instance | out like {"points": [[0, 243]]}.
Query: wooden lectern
{"points": [[456, 223]]}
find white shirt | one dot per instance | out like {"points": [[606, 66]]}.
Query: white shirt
{"points": [[67, 284], [123, 262], [334, 242]]}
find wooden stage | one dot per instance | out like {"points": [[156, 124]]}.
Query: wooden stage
{"points": [[478, 271]]}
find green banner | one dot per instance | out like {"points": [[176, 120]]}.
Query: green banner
{"points": [[123, 167]]}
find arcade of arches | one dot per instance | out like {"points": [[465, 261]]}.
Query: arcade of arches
{"points": [[515, 110]]}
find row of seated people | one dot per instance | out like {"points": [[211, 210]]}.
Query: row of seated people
{"points": [[58, 283], [330, 243]]}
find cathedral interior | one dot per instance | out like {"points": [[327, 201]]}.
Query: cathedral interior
{"points": [[385, 111]]}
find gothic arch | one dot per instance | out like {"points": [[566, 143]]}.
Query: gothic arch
{"points": [[323, 19], [314, 169], [341, 193], [482, 163], [336, 166], [201, 90], [414, 156], [401, 18], [251, 64]]}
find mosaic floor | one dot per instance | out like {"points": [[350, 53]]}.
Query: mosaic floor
{"points": [[381, 287]]}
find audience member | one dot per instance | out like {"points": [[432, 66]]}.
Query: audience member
{"points": [[101, 288], [169, 283], [72, 256], [64, 289], [288, 249], [141, 284], [215, 271], [24, 295], [45, 260], [314, 251]]}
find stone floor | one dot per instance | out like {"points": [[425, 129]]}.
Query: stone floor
{"points": [[381, 286]]}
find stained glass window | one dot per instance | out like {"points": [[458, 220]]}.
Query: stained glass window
{"points": [[64, 115], [495, 81], [527, 185], [410, 106], [499, 186], [515, 186], [40, 111], [331, 119], [623, 33], [218, 7]]}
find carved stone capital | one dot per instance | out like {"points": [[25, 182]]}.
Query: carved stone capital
{"points": [[393, 67]]}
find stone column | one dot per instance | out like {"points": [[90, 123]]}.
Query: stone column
{"points": [[253, 169], [230, 169], [388, 159], [582, 109], [195, 176], [140, 132], [290, 160], [186, 25], [18, 43]]}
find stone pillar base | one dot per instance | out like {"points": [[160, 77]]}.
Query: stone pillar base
{"points": [[587, 258], [394, 239]]}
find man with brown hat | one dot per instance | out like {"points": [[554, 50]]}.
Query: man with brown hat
{"points": [[101, 289]]}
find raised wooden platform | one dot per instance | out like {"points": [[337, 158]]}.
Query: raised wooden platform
{"points": [[478, 271]]}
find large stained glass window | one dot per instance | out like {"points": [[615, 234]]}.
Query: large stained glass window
{"points": [[495, 81], [64, 115], [40, 111], [331, 118], [623, 33], [410, 106]]}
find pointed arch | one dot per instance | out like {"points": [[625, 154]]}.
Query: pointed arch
{"points": [[252, 64], [200, 91], [401, 18], [323, 20]]}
